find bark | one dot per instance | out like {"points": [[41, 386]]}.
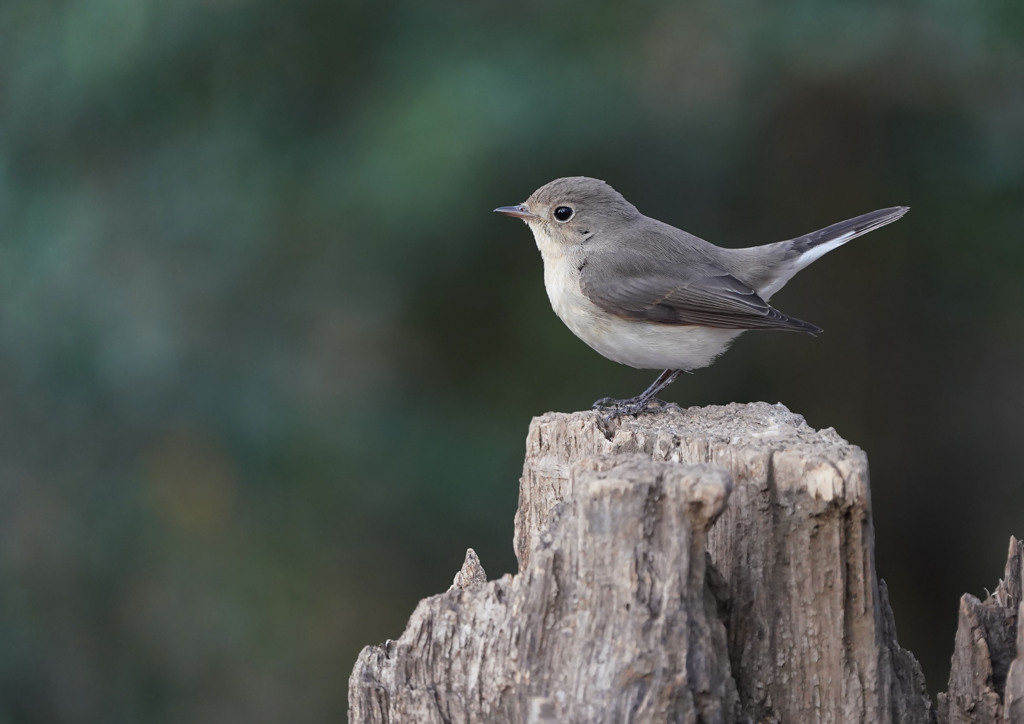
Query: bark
{"points": [[618, 614], [986, 681], [611, 622]]}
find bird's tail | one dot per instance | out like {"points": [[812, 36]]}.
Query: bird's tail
{"points": [[818, 243], [803, 250]]}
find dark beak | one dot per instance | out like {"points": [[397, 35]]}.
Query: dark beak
{"points": [[519, 212]]}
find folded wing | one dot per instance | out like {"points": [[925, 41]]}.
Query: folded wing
{"points": [[655, 288]]}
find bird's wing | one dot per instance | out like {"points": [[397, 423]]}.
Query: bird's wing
{"points": [[657, 288]]}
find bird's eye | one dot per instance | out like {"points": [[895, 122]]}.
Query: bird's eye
{"points": [[563, 213]]}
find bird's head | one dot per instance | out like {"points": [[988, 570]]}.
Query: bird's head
{"points": [[571, 210]]}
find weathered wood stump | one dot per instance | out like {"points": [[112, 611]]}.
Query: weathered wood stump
{"points": [[711, 564], [986, 682]]}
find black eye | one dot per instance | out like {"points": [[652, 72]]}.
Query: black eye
{"points": [[563, 213]]}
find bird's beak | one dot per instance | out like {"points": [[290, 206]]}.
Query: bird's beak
{"points": [[519, 212]]}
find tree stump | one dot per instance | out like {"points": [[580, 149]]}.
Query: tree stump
{"points": [[986, 681], [712, 564]]}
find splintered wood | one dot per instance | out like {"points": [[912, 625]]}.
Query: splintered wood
{"points": [[986, 680]]}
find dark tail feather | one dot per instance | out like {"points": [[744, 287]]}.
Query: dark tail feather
{"points": [[843, 231]]}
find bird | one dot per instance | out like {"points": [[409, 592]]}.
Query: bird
{"points": [[646, 294]]}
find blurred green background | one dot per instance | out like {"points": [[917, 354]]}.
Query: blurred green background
{"points": [[267, 359]]}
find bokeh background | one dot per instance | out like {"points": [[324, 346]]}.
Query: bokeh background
{"points": [[267, 359]]}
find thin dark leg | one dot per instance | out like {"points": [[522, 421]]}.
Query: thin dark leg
{"points": [[635, 405]]}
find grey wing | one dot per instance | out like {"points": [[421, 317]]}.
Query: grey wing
{"points": [[700, 294]]}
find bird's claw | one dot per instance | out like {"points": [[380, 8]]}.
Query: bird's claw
{"points": [[613, 408]]}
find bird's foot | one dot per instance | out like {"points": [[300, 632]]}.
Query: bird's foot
{"points": [[613, 408]]}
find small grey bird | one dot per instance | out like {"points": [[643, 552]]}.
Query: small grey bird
{"points": [[651, 296]]}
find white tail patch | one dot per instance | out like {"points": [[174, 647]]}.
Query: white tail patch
{"points": [[817, 252], [809, 256]]}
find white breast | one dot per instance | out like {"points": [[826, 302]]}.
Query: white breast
{"points": [[645, 345]]}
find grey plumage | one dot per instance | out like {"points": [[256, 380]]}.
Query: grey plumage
{"points": [[646, 294], [641, 268], [674, 286]]}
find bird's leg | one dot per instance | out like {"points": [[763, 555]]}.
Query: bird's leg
{"points": [[636, 405]]}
